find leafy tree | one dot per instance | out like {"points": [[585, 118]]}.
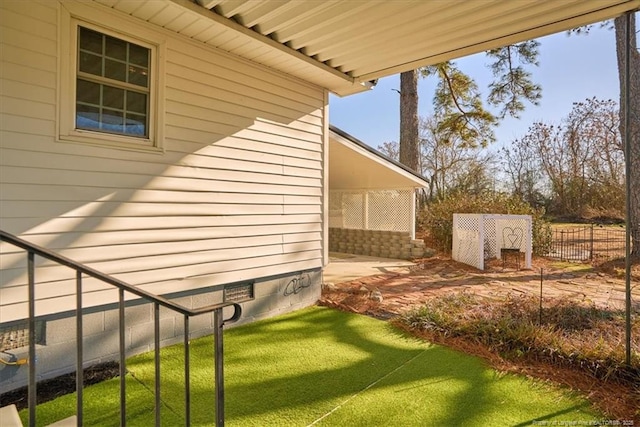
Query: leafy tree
{"points": [[459, 107], [577, 164], [632, 87], [447, 162]]}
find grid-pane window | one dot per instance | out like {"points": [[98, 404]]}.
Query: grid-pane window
{"points": [[112, 85]]}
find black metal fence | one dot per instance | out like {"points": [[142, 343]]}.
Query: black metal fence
{"points": [[588, 243]]}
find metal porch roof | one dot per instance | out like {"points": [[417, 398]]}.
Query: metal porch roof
{"points": [[353, 165], [345, 45]]}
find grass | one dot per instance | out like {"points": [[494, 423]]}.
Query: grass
{"points": [[570, 225], [563, 334], [572, 266], [331, 368]]}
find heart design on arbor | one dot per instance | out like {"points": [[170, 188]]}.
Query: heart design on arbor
{"points": [[512, 236]]}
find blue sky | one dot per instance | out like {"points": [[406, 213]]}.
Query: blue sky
{"points": [[571, 68]]}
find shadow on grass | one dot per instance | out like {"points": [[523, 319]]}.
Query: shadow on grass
{"points": [[350, 358], [325, 366]]}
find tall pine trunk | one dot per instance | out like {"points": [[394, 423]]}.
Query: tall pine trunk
{"points": [[409, 119], [633, 90]]}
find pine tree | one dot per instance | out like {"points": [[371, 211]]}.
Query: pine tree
{"points": [[458, 102]]}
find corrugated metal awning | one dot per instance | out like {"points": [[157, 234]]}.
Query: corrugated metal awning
{"points": [[344, 45]]}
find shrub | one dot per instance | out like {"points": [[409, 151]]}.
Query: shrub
{"points": [[437, 217]]}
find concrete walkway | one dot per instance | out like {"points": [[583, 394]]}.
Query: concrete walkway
{"points": [[403, 285], [346, 267]]}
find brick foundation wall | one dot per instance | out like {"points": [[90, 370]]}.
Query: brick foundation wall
{"points": [[388, 244]]}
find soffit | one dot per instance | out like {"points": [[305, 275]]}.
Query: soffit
{"points": [[343, 45], [353, 165]]}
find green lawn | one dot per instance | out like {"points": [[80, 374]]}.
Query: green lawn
{"points": [[331, 368]]}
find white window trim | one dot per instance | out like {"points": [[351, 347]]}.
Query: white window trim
{"points": [[74, 15]]}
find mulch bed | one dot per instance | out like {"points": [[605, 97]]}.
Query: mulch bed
{"points": [[55, 387]]}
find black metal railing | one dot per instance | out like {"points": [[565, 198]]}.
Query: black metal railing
{"points": [[587, 243], [123, 287]]}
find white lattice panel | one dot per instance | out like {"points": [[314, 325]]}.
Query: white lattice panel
{"points": [[478, 237], [383, 210], [466, 240], [335, 209]]}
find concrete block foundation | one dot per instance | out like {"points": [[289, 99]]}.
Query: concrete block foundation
{"points": [[56, 354], [387, 244]]}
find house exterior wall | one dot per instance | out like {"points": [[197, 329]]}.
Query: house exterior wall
{"points": [[234, 192]]}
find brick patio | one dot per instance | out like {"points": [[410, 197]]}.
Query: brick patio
{"points": [[402, 290]]}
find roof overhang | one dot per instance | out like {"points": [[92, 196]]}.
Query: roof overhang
{"points": [[345, 46], [353, 165]]}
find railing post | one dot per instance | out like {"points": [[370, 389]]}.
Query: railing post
{"points": [[123, 366], [219, 366], [218, 324], [187, 374], [156, 352], [32, 393], [79, 350]]}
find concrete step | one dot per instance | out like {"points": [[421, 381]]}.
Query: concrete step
{"points": [[9, 418]]}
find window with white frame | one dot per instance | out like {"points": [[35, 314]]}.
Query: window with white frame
{"points": [[110, 87]]}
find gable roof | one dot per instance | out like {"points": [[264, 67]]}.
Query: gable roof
{"points": [[345, 45], [353, 165]]}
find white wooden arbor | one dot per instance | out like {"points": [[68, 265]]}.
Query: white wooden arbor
{"points": [[478, 237]]}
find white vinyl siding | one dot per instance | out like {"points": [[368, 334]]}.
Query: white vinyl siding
{"points": [[236, 195]]}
